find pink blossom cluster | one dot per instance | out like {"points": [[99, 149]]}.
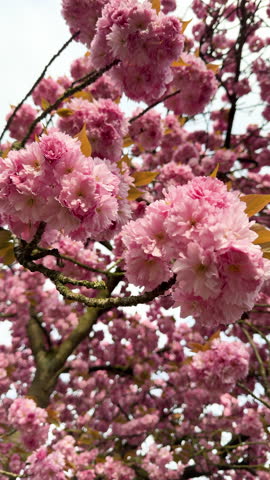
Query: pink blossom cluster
{"points": [[145, 42], [139, 425], [147, 131], [81, 16], [105, 125], [21, 122], [168, 5], [220, 119], [42, 465], [173, 173], [52, 181], [30, 420], [15, 364], [250, 424], [222, 159], [81, 67], [197, 86], [104, 87], [157, 464], [49, 90], [186, 152], [221, 366], [6, 361], [201, 233], [239, 88], [225, 159], [65, 456]]}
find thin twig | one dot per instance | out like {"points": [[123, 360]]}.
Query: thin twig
{"points": [[11, 475], [259, 360], [247, 390], [36, 83], [154, 105], [55, 253]]}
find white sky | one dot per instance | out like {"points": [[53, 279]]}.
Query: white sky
{"points": [[32, 31]]}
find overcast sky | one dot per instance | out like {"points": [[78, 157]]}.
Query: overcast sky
{"points": [[31, 33]]}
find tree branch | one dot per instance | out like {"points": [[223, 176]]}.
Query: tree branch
{"points": [[91, 78], [154, 105]]}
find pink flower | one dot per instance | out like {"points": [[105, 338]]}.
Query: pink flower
{"points": [[197, 85], [47, 89], [20, 124], [82, 15], [220, 367], [197, 272]]}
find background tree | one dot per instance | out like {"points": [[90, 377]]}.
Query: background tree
{"points": [[95, 202]]}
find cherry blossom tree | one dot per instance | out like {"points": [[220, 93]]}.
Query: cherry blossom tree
{"points": [[111, 220]]}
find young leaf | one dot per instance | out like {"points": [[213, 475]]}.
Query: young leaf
{"points": [[84, 95], [255, 203], [266, 253], [5, 237], [214, 68], [127, 142], [156, 5], [134, 193], [144, 178], [215, 171], [44, 104], [125, 160], [64, 112], [6, 152], [262, 232], [182, 120], [185, 24], [7, 255], [86, 148], [180, 63]]}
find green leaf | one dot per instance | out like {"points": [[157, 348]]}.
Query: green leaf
{"points": [[255, 203]]}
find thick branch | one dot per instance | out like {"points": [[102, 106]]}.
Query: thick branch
{"points": [[113, 302], [116, 370], [61, 280], [36, 339]]}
